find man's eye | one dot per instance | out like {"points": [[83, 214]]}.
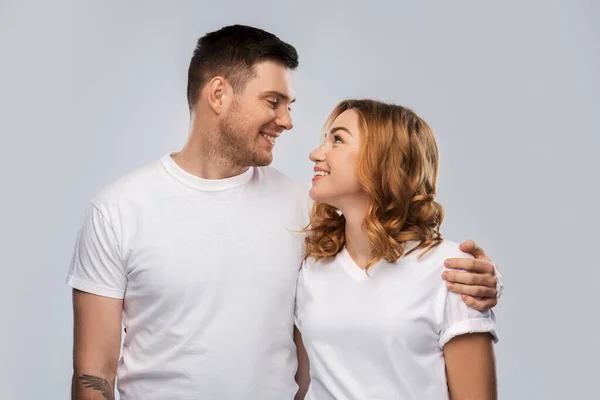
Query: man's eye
{"points": [[273, 104]]}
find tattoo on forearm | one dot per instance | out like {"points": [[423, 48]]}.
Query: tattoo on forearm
{"points": [[99, 384]]}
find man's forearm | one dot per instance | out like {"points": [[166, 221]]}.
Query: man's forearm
{"points": [[92, 387]]}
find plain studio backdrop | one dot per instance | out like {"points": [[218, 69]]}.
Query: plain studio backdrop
{"points": [[90, 90]]}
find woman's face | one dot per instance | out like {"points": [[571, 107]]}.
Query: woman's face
{"points": [[335, 179]]}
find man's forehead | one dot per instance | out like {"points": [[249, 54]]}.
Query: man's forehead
{"points": [[274, 77]]}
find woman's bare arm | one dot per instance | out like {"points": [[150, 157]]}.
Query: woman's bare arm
{"points": [[470, 367], [303, 373]]}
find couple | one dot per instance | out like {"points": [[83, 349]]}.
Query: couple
{"points": [[207, 257]]}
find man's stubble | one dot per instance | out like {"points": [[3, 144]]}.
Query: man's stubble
{"points": [[238, 140]]}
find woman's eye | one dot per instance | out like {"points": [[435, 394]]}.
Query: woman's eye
{"points": [[337, 139]]}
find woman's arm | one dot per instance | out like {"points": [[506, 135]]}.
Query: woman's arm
{"points": [[303, 373], [470, 367]]}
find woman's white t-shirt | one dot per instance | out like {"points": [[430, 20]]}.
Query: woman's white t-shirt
{"points": [[381, 335]]}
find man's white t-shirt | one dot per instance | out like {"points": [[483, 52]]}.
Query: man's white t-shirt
{"points": [[381, 336], [207, 270]]}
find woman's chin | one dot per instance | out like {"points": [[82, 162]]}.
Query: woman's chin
{"points": [[313, 195], [321, 197], [316, 194]]}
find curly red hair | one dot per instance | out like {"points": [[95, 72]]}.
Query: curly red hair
{"points": [[398, 166]]}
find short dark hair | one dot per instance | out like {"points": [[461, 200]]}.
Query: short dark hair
{"points": [[232, 52]]}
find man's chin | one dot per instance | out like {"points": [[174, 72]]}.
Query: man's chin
{"points": [[262, 160]]}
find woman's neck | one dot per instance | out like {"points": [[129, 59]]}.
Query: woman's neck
{"points": [[358, 244]]}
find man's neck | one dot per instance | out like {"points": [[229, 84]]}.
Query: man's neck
{"points": [[200, 158]]}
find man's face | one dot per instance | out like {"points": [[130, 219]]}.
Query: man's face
{"points": [[257, 116]]}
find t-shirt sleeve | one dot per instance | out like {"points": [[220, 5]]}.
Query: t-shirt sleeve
{"points": [[500, 280], [460, 319], [96, 265], [298, 297]]}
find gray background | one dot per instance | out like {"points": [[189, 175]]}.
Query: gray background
{"points": [[91, 90]]}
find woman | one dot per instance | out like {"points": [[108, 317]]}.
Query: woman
{"points": [[375, 319]]}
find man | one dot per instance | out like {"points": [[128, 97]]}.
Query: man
{"points": [[197, 255]]}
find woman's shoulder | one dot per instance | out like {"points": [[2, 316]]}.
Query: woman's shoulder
{"points": [[436, 256], [447, 249], [310, 262]]}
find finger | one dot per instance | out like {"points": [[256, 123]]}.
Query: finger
{"points": [[471, 264], [483, 292], [480, 305], [470, 278], [469, 246]]}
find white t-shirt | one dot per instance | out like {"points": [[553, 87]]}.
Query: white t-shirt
{"points": [[207, 270], [381, 336]]}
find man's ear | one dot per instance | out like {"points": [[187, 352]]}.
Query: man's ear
{"points": [[219, 94]]}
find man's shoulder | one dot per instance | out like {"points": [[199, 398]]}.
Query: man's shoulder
{"points": [[273, 176], [283, 189], [131, 186]]}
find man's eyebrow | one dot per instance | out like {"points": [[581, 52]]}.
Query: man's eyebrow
{"points": [[282, 96]]}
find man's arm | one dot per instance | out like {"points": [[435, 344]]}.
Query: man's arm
{"points": [[96, 345], [470, 367], [478, 283]]}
